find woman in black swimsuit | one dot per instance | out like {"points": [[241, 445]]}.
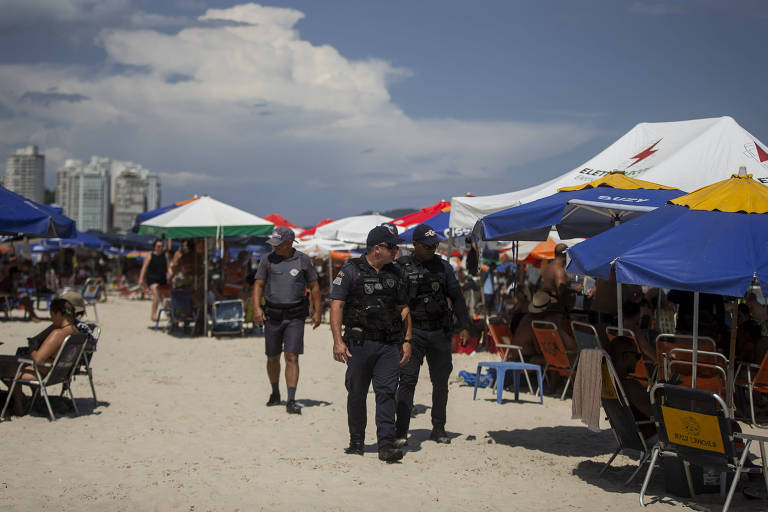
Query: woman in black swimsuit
{"points": [[154, 273]]}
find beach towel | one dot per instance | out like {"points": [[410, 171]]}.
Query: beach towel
{"points": [[587, 388], [485, 380]]}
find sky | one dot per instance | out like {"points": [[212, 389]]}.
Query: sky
{"points": [[315, 109]]}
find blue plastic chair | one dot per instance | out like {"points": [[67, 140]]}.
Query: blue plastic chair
{"points": [[501, 368]]}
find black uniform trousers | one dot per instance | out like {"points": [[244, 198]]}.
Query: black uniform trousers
{"points": [[378, 362], [436, 346]]}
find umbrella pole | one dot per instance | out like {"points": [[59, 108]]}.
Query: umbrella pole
{"points": [[695, 336], [732, 353], [619, 308], [205, 286]]}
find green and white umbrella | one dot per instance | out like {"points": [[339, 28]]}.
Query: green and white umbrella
{"points": [[204, 218]]}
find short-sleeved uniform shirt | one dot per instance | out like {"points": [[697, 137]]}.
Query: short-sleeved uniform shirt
{"points": [[286, 279], [345, 280]]}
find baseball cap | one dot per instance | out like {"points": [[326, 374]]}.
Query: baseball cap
{"points": [[382, 235], [425, 234], [280, 235], [75, 299]]}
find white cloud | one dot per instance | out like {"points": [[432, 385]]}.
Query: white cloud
{"points": [[256, 105]]}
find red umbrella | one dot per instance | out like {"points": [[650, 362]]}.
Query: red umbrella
{"points": [[279, 220], [423, 215], [311, 231]]}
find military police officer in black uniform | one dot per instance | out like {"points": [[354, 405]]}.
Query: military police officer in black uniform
{"points": [[434, 296], [369, 299]]}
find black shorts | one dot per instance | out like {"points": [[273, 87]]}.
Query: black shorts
{"points": [[162, 281]]}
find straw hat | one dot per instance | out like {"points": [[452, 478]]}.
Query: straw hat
{"points": [[75, 299], [540, 302]]}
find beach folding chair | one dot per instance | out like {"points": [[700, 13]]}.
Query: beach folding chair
{"points": [[164, 303], [502, 337], [228, 317], [695, 426], [61, 371], [552, 348], [641, 372], [585, 335], [665, 343], [92, 289], [182, 308], [625, 427], [84, 365], [758, 383]]}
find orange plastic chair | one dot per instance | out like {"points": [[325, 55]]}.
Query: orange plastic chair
{"points": [[553, 350], [666, 342], [502, 338]]}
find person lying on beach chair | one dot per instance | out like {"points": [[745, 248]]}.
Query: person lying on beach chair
{"points": [[63, 318]]}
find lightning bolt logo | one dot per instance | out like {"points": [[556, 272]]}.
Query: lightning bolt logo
{"points": [[644, 154], [762, 155]]}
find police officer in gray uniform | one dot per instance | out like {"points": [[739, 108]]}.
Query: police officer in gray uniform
{"points": [[282, 279], [368, 298], [434, 296]]}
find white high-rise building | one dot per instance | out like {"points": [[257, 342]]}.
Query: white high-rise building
{"points": [[83, 191], [25, 173], [135, 190]]}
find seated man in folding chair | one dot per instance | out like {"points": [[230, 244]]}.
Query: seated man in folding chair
{"points": [[624, 356], [8, 289], [63, 318], [543, 308]]}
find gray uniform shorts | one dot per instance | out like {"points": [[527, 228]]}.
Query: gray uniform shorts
{"points": [[284, 336]]}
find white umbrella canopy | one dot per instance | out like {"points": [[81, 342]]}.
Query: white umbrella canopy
{"points": [[206, 217], [351, 229], [322, 247]]}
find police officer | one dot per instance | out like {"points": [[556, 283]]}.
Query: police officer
{"points": [[434, 295], [282, 278], [369, 299]]}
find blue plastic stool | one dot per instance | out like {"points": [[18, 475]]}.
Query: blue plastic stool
{"points": [[501, 368]]}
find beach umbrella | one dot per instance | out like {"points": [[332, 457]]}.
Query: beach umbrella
{"points": [[279, 220], [204, 218], [437, 222], [80, 239], [307, 233], [142, 217], [19, 215], [351, 229], [713, 240], [423, 216], [580, 211]]}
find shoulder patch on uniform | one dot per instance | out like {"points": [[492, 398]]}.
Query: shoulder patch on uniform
{"points": [[337, 281]]}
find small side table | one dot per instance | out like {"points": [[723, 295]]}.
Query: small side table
{"points": [[501, 368]]}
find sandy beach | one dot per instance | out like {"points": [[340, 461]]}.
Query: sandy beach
{"points": [[181, 425]]}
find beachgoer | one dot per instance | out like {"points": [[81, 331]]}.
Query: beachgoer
{"points": [[369, 297], [282, 280], [154, 273], [624, 356], [542, 308], [9, 290], [434, 295], [555, 281], [63, 324]]}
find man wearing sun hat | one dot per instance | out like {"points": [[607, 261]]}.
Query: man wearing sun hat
{"points": [[282, 279], [434, 296]]}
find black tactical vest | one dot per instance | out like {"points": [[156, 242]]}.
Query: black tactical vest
{"points": [[426, 298], [370, 311]]}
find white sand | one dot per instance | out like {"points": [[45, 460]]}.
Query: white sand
{"points": [[181, 425]]}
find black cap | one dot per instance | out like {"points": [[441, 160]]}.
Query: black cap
{"points": [[382, 235], [425, 234]]}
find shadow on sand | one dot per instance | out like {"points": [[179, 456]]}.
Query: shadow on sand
{"points": [[568, 441]]}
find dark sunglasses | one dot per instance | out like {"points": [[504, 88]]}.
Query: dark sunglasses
{"points": [[389, 246], [429, 247]]}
